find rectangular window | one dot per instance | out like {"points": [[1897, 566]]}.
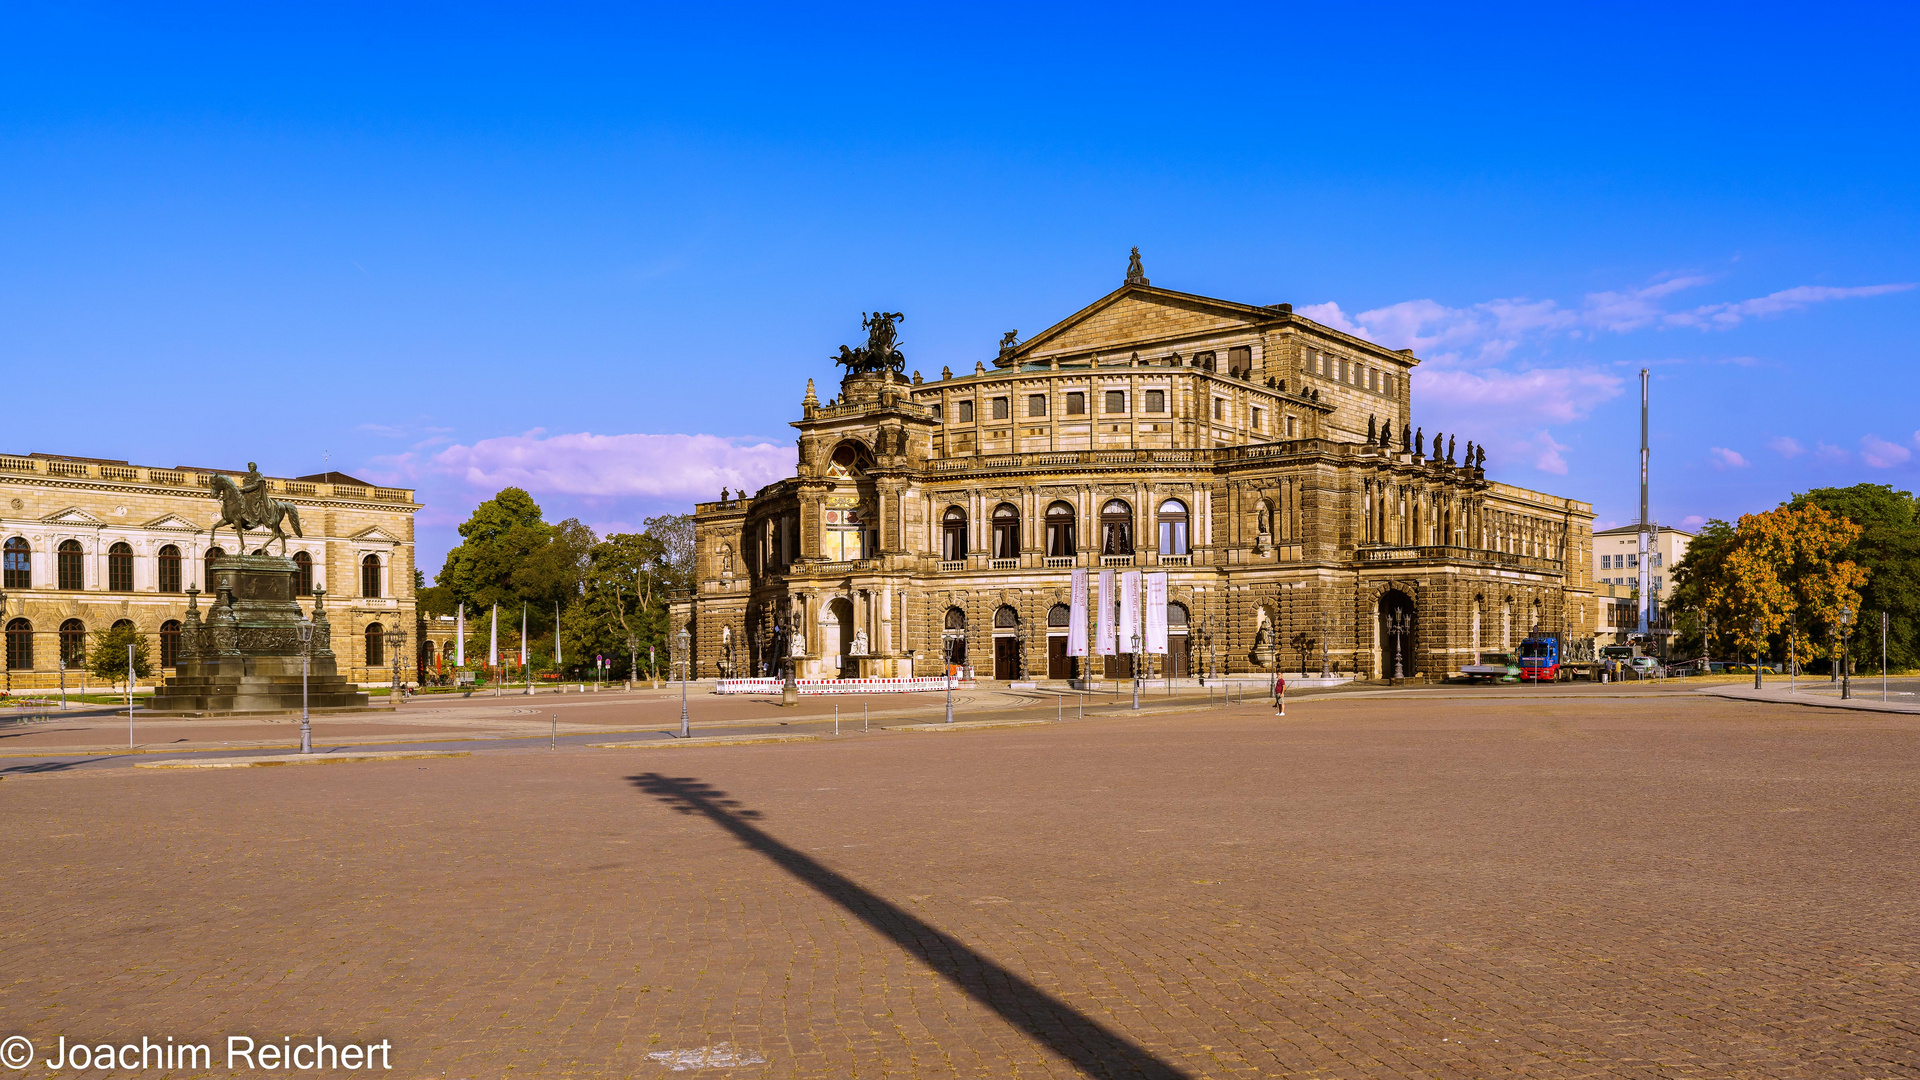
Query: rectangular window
{"points": [[1290, 427], [1116, 401], [1001, 409], [1239, 360], [966, 412], [1036, 404], [1606, 562], [1203, 360], [1156, 401], [1259, 419], [1076, 404], [1656, 584], [1219, 408], [1656, 558], [1373, 379], [1633, 561], [938, 414], [1343, 369]]}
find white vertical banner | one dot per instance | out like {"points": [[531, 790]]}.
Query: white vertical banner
{"points": [[1129, 608], [1156, 601], [1105, 617], [1077, 622], [493, 639], [460, 637]]}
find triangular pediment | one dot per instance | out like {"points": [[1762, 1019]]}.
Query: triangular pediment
{"points": [[1140, 316], [172, 523], [375, 532], [72, 515]]}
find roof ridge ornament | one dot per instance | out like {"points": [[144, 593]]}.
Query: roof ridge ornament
{"points": [[1136, 275]]}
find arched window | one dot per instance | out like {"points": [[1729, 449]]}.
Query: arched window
{"points": [[303, 579], [170, 643], [212, 586], [1006, 532], [954, 640], [1177, 618], [956, 619], [19, 564], [1173, 528], [1060, 538], [19, 645], [1005, 618], [370, 576], [120, 567], [376, 645], [73, 642], [1116, 528], [953, 534], [168, 565], [72, 563], [1059, 615]]}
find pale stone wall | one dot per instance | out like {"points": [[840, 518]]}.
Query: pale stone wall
{"points": [[47, 500]]}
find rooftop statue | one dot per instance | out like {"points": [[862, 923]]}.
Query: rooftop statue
{"points": [[246, 506], [881, 352]]}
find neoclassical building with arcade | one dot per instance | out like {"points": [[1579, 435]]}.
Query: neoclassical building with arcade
{"points": [[1273, 467]]}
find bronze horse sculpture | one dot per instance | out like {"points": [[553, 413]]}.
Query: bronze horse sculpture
{"points": [[233, 511]]}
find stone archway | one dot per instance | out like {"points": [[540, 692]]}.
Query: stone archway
{"points": [[1394, 602], [836, 633]]}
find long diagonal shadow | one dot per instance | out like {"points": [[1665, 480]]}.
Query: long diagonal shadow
{"points": [[1096, 1050]]}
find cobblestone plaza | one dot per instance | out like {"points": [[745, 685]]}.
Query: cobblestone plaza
{"points": [[1385, 887]]}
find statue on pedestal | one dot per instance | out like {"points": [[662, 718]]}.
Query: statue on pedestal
{"points": [[246, 506]]}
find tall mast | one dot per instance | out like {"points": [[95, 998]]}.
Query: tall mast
{"points": [[1646, 567]]}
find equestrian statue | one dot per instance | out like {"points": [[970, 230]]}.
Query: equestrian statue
{"points": [[246, 506]]}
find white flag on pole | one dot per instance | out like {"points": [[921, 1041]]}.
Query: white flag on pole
{"points": [[1104, 621], [1077, 621], [1156, 613], [1129, 609], [523, 637], [493, 639], [460, 637]]}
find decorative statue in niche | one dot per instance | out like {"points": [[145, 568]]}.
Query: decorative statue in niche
{"points": [[859, 643]]}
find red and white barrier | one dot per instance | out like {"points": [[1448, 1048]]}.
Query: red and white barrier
{"points": [[917, 685]]}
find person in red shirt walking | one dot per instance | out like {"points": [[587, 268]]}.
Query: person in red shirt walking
{"points": [[1279, 694]]}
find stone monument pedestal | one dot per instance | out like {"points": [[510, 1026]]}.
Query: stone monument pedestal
{"points": [[244, 658]]}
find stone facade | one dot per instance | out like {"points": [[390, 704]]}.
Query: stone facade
{"points": [[122, 525], [1238, 448]]}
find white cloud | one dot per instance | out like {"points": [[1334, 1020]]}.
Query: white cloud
{"points": [[1881, 454], [1721, 316], [1826, 451], [1724, 458], [1692, 521], [679, 467], [1786, 446]]}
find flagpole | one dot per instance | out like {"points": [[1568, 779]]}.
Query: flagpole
{"points": [[525, 671]]}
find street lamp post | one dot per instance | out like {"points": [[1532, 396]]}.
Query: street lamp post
{"points": [[946, 653], [1846, 653], [1398, 625], [1326, 632], [396, 638], [1136, 670], [682, 640], [305, 629], [1757, 628]]}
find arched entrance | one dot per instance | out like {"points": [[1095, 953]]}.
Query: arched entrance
{"points": [[836, 632], [1006, 644], [1397, 630]]}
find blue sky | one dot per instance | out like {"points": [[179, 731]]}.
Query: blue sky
{"points": [[597, 251]]}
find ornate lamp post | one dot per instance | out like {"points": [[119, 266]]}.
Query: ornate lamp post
{"points": [[1326, 633], [1846, 653], [633, 659], [682, 640], [1136, 669], [946, 653], [305, 630], [1399, 624], [1757, 628], [396, 638]]}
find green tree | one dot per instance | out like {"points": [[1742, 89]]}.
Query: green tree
{"points": [[107, 658], [1694, 577], [509, 555], [1889, 548]]}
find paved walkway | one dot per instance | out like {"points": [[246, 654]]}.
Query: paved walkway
{"points": [[1685, 886]]}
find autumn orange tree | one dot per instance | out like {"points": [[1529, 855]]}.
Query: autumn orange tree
{"points": [[1784, 563]]}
